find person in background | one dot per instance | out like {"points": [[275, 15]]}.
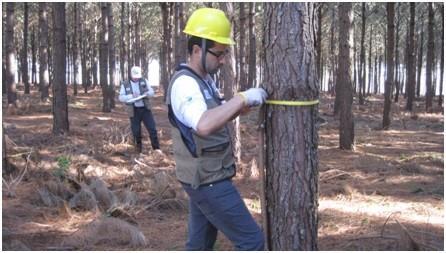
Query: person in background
{"points": [[140, 109], [201, 140]]}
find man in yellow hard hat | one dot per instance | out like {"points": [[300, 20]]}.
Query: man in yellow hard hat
{"points": [[201, 141]]}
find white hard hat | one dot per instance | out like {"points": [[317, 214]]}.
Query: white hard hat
{"points": [[136, 72]]}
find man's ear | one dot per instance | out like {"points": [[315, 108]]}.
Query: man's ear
{"points": [[196, 49]]}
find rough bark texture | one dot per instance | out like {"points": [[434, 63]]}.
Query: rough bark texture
{"points": [[164, 76], [344, 87], [389, 63], [252, 67], [111, 56], [76, 58], [319, 44], [420, 57], [10, 55], [291, 131], [411, 60], [430, 59], [25, 75], [229, 82], [33, 57], [242, 47], [122, 58], [60, 101], [43, 52], [103, 59], [362, 57], [397, 54], [440, 99]]}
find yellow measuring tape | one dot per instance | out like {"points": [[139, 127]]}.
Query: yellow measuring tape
{"points": [[292, 103]]}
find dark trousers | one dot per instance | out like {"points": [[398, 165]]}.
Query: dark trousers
{"points": [[144, 115], [219, 207]]}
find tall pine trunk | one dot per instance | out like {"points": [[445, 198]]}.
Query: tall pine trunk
{"points": [[344, 87], [430, 59], [389, 64], [291, 131], [111, 56], [76, 60], [59, 86], [11, 67], [33, 57], [242, 47], [440, 99], [103, 59], [252, 67], [44, 75], [420, 57], [362, 57], [122, 53], [25, 75], [411, 60]]}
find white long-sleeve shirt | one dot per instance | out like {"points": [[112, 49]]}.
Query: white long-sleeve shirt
{"points": [[187, 101], [123, 97]]}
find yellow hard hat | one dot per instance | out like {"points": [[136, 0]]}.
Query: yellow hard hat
{"points": [[210, 24]]}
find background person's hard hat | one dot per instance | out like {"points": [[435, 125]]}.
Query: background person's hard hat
{"points": [[209, 23], [136, 72]]}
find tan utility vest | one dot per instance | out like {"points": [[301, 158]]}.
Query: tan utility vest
{"points": [[142, 89], [214, 159]]}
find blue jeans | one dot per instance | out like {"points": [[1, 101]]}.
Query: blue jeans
{"points": [[219, 207], [144, 115]]}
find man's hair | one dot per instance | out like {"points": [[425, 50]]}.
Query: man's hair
{"points": [[194, 40]]}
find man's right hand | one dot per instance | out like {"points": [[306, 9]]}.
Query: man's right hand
{"points": [[254, 96]]}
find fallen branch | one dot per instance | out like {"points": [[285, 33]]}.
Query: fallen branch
{"points": [[413, 244], [14, 182]]}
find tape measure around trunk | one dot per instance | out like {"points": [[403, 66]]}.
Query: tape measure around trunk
{"points": [[292, 103]]}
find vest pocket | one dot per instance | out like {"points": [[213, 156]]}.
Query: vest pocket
{"points": [[215, 149]]}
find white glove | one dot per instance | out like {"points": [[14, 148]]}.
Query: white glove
{"points": [[254, 96]]}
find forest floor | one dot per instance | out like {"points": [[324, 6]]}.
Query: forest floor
{"points": [[387, 194]]}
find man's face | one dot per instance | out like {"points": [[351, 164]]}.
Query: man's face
{"points": [[215, 57]]}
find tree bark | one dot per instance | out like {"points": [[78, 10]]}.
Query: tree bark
{"points": [[76, 60], [440, 98], [291, 131], [344, 82], [229, 82], [129, 41], [11, 67], [242, 47], [43, 52], [390, 7], [25, 75], [411, 61], [252, 67], [33, 57], [370, 67], [362, 57], [122, 53], [111, 56], [103, 59], [397, 54], [164, 76], [319, 44], [430, 59], [60, 102], [420, 57]]}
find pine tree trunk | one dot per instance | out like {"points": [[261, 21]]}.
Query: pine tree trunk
{"points": [[344, 87], [43, 52], [331, 81], [228, 81], [33, 57], [242, 47], [60, 101], [129, 41], [397, 55], [122, 53], [10, 55], [103, 59], [95, 54], [111, 56], [411, 61], [291, 148], [362, 57], [252, 70], [24, 65], [389, 64], [164, 76], [440, 99], [430, 59], [76, 60], [82, 49], [369, 82], [137, 46], [319, 45], [420, 57]]}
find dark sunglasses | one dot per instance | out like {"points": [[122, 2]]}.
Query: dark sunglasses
{"points": [[219, 54]]}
